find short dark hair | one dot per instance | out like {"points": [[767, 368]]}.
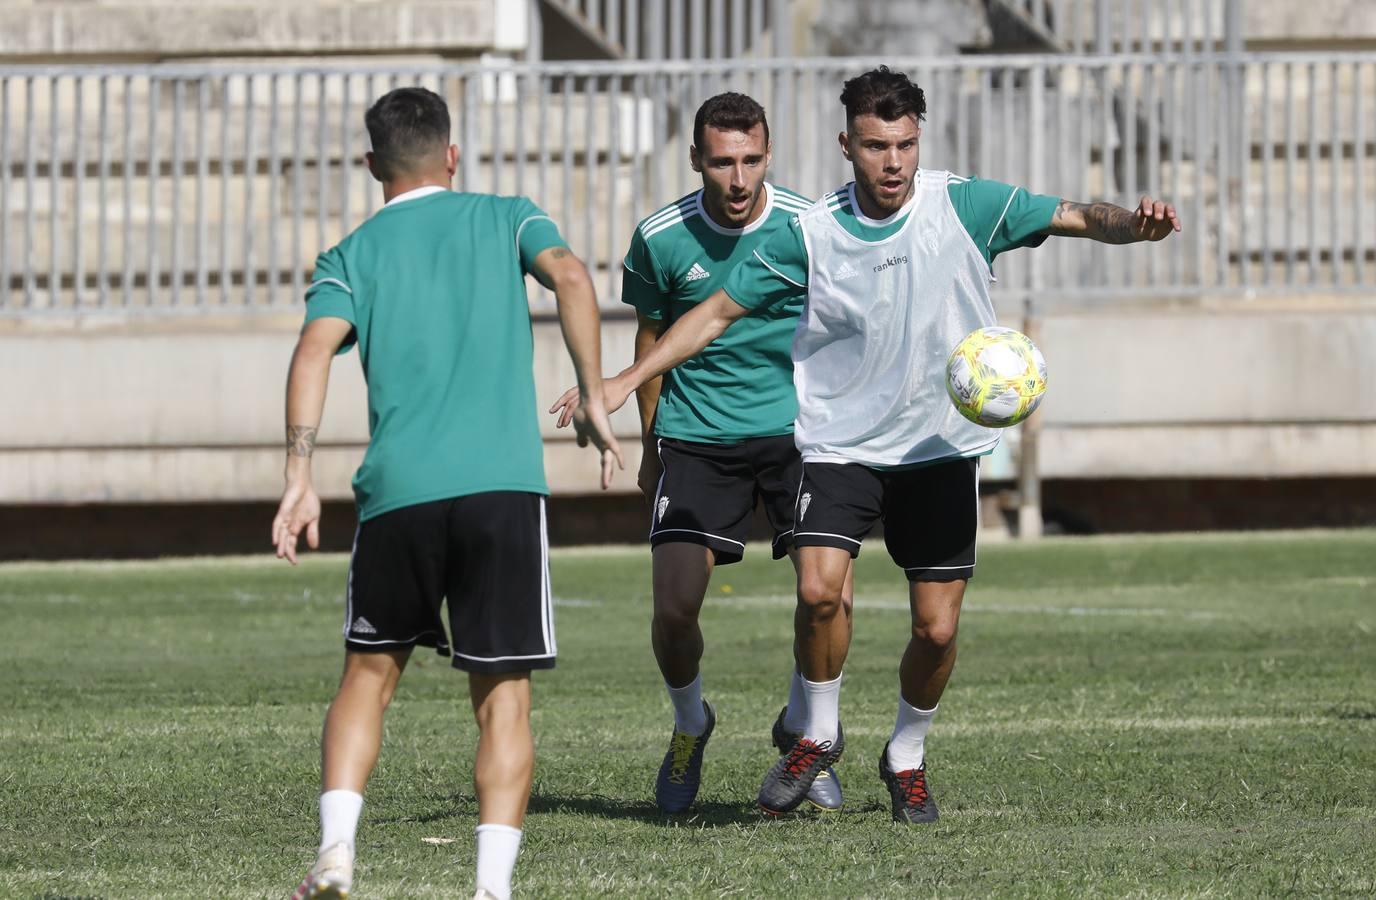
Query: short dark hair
{"points": [[731, 111], [406, 126], [884, 93]]}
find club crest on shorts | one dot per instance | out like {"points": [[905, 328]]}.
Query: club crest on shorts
{"points": [[660, 508], [803, 503]]}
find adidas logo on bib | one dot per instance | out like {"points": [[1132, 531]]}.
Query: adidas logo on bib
{"points": [[846, 271], [362, 626], [697, 273]]}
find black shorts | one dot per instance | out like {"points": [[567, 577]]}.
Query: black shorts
{"points": [[931, 514], [487, 554], [707, 493]]}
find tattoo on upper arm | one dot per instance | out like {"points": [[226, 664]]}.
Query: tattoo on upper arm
{"points": [[559, 253], [1104, 222], [300, 440]]}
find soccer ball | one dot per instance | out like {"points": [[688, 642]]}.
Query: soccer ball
{"points": [[996, 377]]}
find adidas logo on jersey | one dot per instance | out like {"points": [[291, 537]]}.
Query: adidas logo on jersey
{"points": [[362, 626], [846, 271], [697, 273]]}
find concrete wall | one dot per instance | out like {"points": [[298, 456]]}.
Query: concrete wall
{"points": [[192, 411], [149, 29]]}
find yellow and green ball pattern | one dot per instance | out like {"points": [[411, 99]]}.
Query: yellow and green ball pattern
{"points": [[996, 377]]}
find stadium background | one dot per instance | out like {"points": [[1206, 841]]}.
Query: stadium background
{"points": [[168, 172]]}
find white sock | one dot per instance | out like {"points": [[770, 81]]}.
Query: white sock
{"points": [[909, 734], [689, 715], [339, 811], [795, 717], [497, 849], [823, 709]]}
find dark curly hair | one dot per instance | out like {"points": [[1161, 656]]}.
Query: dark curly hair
{"points": [[884, 93]]}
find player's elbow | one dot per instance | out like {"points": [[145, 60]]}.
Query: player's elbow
{"points": [[570, 276]]}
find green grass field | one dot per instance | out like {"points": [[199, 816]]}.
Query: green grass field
{"points": [[1191, 716]]}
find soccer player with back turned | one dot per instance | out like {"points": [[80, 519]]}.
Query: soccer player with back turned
{"points": [[451, 492], [895, 271]]}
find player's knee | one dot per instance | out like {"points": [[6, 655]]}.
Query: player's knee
{"points": [[675, 619], [819, 597], [939, 635]]}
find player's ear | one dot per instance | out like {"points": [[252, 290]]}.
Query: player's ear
{"points": [[844, 140], [768, 154], [451, 159], [694, 159], [372, 165]]}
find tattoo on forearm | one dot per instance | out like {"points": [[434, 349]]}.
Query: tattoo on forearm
{"points": [[300, 440], [1107, 222]]}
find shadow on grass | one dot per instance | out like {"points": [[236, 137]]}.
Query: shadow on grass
{"points": [[703, 813]]}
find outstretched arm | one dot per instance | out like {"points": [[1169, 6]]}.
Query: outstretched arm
{"points": [[306, 382], [1152, 220], [702, 325], [562, 272]]}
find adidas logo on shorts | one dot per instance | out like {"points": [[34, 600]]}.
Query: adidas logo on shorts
{"points": [[697, 273], [362, 626]]}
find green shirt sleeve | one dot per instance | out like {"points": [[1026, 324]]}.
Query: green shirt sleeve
{"points": [[330, 294], [644, 283], [774, 274], [1001, 216], [535, 233]]}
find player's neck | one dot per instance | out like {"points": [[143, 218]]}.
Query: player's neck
{"points": [[399, 186], [871, 209]]}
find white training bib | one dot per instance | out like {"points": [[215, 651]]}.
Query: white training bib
{"points": [[880, 321]]}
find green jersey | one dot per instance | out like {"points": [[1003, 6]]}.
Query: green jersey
{"points": [[434, 287], [741, 385], [997, 216]]}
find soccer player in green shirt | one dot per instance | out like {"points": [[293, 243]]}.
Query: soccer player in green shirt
{"points": [[451, 492], [895, 270], [718, 429]]}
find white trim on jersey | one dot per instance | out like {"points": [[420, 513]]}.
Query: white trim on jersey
{"points": [[678, 206], [766, 264], [330, 281], [423, 191], [1002, 215], [526, 221], [669, 223], [638, 275]]}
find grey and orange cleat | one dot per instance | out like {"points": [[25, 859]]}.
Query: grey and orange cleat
{"points": [[332, 876], [910, 799], [680, 774], [788, 781], [825, 793]]}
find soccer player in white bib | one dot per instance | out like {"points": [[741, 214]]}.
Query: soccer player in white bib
{"points": [[718, 429], [894, 269]]}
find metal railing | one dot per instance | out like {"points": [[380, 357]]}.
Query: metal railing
{"points": [[196, 188]]}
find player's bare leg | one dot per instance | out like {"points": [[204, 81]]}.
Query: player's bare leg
{"points": [[922, 676], [822, 628], [353, 725], [348, 751], [825, 793], [681, 573], [502, 773]]}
